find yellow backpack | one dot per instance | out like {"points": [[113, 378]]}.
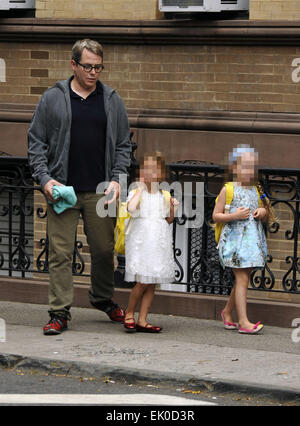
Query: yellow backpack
{"points": [[122, 227], [229, 196]]}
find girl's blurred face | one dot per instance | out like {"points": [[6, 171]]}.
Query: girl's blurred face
{"points": [[245, 170], [152, 170]]}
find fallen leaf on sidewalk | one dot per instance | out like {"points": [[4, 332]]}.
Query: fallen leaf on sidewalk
{"points": [[108, 380]]}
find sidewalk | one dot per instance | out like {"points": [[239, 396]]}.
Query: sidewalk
{"points": [[190, 350]]}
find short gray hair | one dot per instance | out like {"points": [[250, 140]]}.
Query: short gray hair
{"points": [[88, 44]]}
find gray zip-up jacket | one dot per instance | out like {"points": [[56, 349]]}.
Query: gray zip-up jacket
{"points": [[50, 129]]}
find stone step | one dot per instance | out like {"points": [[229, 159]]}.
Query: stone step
{"points": [[279, 264], [280, 255], [283, 245], [280, 234], [279, 274], [278, 283], [284, 214]]}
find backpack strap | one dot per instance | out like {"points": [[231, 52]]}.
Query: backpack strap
{"points": [[167, 196], [229, 196], [260, 201], [229, 188]]}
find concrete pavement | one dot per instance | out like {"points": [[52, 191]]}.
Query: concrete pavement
{"points": [[194, 351]]}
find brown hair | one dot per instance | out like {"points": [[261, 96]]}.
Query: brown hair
{"points": [[272, 219], [91, 45]]}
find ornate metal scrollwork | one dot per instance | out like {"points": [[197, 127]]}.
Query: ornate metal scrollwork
{"points": [[77, 265], [197, 267], [263, 278], [43, 264]]}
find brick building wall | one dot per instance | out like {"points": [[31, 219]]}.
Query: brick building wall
{"points": [[275, 9], [148, 9], [95, 9], [201, 78]]}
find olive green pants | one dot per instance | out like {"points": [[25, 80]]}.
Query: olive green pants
{"points": [[61, 230]]}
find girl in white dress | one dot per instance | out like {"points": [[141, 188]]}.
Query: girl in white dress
{"points": [[148, 244]]}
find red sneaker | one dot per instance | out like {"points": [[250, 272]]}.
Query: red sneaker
{"points": [[56, 325], [116, 314], [112, 309]]}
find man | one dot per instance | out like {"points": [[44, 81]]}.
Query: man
{"points": [[79, 136]]}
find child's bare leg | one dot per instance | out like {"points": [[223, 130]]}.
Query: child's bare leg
{"points": [[229, 307], [241, 286], [146, 303], [134, 298]]}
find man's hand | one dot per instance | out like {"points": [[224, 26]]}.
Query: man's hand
{"points": [[114, 190], [48, 187]]}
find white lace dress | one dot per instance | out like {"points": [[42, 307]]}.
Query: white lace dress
{"points": [[148, 245]]}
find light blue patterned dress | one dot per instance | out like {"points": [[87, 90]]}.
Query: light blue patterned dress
{"points": [[243, 242]]}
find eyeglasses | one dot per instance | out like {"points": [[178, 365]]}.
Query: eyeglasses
{"points": [[89, 67]]}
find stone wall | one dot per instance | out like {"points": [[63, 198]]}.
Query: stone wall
{"points": [[95, 9], [275, 9], [201, 78], [187, 81], [148, 9]]}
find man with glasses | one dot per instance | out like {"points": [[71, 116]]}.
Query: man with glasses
{"points": [[79, 136]]}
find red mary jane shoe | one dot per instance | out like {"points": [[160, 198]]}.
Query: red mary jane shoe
{"points": [[130, 326], [148, 328]]}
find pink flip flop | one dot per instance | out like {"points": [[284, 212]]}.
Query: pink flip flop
{"points": [[228, 325], [254, 330]]}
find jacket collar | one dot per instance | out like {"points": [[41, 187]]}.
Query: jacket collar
{"points": [[64, 85]]}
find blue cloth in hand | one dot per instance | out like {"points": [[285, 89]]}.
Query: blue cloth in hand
{"points": [[67, 198]]}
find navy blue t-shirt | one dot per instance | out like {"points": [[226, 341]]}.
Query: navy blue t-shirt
{"points": [[88, 135]]}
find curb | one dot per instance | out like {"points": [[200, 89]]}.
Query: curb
{"points": [[194, 305], [79, 369]]}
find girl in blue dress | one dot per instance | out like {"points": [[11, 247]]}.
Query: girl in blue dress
{"points": [[242, 244]]}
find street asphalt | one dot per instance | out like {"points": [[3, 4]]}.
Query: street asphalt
{"points": [[194, 351]]}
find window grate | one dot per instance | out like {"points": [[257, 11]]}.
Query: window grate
{"points": [[17, 4], [182, 3]]}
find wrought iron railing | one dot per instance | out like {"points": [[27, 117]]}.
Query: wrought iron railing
{"points": [[198, 267]]}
